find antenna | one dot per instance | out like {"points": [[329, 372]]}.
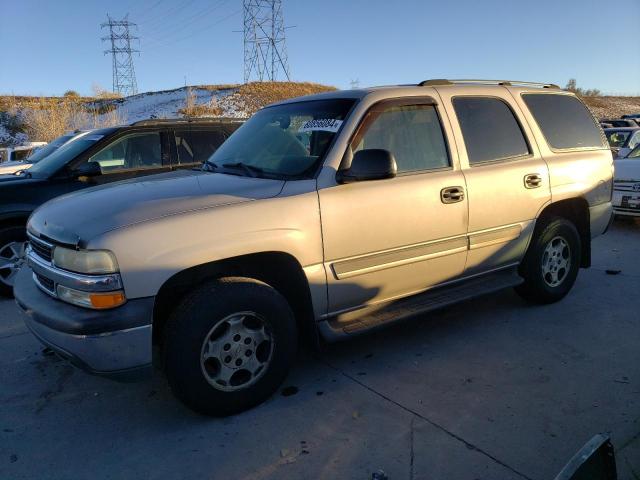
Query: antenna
{"points": [[265, 53], [124, 75]]}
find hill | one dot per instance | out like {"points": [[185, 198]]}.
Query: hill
{"points": [[44, 118]]}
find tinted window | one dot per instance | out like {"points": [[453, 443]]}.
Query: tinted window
{"points": [[21, 154], [136, 151], [490, 129], [195, 146], [564, 120], [412, 133]]}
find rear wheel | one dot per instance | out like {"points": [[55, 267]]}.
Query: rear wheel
{"points": [[229, 345], [551, 265], [12, 243]]}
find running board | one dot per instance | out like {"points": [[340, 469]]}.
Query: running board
{"points": [[368, 318]]}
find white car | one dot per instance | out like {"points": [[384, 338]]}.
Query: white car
{"points": [[626, 184], [24, 163]]}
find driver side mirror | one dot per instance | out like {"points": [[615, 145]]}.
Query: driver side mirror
{"points": [[89, 169], [371, 164]]}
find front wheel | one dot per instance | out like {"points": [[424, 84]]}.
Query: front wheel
{"points": [[12, 242], [229, 345], [551, 265]]}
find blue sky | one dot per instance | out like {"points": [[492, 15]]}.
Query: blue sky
{"points": [[51, 46]]}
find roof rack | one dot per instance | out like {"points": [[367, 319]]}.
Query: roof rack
{"points": [[160, 121], [443, 81]]}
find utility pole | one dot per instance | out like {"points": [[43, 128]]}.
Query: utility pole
{"points": [[265, 53], [124, 75]]}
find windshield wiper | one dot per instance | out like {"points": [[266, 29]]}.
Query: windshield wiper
{"points": [[207, 167], [251, 170]]}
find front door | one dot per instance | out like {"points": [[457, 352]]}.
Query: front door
{"points": [[387, 239], [132, 155]]}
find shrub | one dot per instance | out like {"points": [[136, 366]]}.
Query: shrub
{"points": [[71, 93], [572, 86]]}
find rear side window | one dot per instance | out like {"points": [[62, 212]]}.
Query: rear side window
{"points": [[490, 129], [564, 120], [196, 146]]}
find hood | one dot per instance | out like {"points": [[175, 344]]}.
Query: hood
{"points": [[77, 217], [13, 166], [627, 169]]}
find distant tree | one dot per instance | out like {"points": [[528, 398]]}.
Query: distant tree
{"points": [[572, 86], [71, 93]]}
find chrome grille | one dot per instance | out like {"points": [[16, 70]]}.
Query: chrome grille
{"points": [[41, 248], [623, 186]]}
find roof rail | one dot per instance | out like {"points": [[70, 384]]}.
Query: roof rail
{"points": [[160, 121], [443, 81]]}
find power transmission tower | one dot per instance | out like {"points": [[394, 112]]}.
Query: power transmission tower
{"points": [[124, 75], [265, 53]]}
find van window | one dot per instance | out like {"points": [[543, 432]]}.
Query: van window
{"points": [[490, 129], [564, 120], [412, 133]]}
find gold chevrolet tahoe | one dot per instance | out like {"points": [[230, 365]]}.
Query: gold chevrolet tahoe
{"points": [[323, 216]]}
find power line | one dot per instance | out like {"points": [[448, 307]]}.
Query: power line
{"points": [[178, 28], [124, 75], [265, 53], [164, 43]]}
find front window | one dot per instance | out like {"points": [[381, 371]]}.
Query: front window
{"points": [[131, 152], [617, 139], [284, 141]]}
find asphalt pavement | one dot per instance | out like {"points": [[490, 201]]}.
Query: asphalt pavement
{"points": [[490, 389]]}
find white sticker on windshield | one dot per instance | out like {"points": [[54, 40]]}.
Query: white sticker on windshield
{"points": [[321, 125]]}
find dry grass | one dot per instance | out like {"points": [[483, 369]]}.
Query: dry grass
{"points": [[253, 96], [612, 107], [44, 121], [192, 109]]}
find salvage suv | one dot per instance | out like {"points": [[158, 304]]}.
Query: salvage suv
{"points": [[322, 217]]}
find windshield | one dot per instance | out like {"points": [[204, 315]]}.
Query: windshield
{"points": [[617, 139], [285, 141], [49, 148], [635, 153], [63, 155]]}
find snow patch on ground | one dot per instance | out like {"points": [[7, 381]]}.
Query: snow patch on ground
{"points": [[166, 104]]}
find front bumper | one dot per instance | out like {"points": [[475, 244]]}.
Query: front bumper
{"points": [[624, 208], [115, 343]]}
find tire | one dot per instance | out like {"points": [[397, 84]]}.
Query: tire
{"points": [[12, 241], [547, 275], [236, 315]]}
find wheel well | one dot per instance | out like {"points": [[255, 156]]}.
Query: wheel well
{"points": [[576, 210], [277, 269]]}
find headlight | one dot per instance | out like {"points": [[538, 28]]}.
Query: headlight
{"points": [[85, 261]]}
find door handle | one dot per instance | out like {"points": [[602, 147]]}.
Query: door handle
{"points": [[532, 180], [452, 194]]}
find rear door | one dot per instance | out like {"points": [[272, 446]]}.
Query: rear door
{"points": [[507, 179]]}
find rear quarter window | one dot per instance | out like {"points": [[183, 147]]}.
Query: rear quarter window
{"points": [[565, 121]]}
